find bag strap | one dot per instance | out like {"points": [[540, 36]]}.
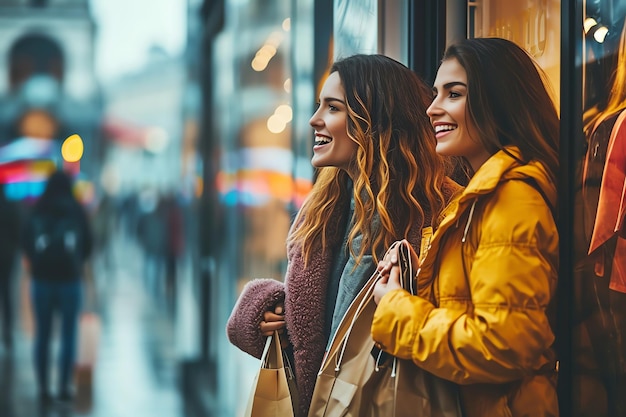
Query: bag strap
{"points": [[266, 358], [355, 309], [362, 303]]}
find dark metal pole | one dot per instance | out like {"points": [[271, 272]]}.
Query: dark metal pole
{"points": [[571, 129], [213, 14]]}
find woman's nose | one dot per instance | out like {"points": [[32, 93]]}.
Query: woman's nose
{"points": [[433, 108], [314, 120]]}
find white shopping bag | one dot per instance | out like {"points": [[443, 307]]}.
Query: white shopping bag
{"points": [[88, 341]]}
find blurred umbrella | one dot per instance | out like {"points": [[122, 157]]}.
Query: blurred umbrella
{"points": [[29, 149], [25, 171], [27, 160]]}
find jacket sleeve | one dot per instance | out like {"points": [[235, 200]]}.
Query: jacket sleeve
{"points": [[498, 330], [257, 297]]}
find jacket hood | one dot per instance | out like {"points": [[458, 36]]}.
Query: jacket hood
{"points": [[504, 166]]}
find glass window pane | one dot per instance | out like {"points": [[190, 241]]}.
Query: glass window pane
{"points": [[533, 25], [599, 352]]}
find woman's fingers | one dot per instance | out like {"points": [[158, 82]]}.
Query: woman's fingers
{"points": [[271, 316], [269, 327], [273, 320], [383, 267], [387, 283], [393, 281], [380, 289]]}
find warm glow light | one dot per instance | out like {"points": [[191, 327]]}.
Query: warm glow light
{"points": [[589, 23], [276, 124], [284, 112], [266, 52], [72, 149], [259, 64], [156, 139], [287, 24], [600, 34], [287, 85]]}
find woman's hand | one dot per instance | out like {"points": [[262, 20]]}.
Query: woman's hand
{"points": [[387, 283], [389, 270], [390, 259], [273, 320]]}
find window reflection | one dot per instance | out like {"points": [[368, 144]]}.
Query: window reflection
{"points": [[534, 25], [600, 326]]}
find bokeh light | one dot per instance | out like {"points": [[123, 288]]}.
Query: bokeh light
{"points": [[72, 148]]}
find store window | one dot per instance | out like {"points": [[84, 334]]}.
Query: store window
{"points": [[356, 24], [599, 332], [533, 25]]}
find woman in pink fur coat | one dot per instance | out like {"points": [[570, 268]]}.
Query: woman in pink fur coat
{"points": [[379, 180]]}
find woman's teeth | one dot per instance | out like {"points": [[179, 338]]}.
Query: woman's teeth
{"points": [[319, 140]]}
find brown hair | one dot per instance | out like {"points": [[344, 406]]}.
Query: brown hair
{"points": [[508, 99], [400, 176]]}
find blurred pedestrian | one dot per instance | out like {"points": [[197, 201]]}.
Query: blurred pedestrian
{"points": [[104, 226], [151, 233], [57, 242], [175, 241], [9, 247]]}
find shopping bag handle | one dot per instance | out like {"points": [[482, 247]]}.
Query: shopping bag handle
{"points": [[369, 292], [267, 355]]}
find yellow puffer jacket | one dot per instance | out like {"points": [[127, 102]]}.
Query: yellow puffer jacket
{"points": [[482, 318]]}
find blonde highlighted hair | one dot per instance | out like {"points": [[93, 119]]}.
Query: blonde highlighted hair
{"points": [[399, 176]]}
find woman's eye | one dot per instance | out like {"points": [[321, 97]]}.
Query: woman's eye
{"points": [[454, 94], [333, 108]]}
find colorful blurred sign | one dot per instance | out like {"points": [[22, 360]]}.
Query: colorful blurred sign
{"points": [[25, 165], [29, 148]]}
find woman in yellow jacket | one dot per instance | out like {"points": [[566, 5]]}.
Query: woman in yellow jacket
{"points": [[488, 278]]}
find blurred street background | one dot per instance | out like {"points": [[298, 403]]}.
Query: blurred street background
{"points": [[184, 124], [175, 120], [136, 373]]}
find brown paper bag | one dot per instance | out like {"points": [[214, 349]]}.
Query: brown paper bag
{"points": [[271, 395], [358, 380]]}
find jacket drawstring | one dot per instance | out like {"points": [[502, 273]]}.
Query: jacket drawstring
{"points": [[469, 220]]}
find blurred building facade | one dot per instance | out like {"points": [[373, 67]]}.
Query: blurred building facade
{"points": [[142, 127], [48, 88]]}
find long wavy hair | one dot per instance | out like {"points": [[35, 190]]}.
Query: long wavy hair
{"points": [[399, 175], [509, 99]]}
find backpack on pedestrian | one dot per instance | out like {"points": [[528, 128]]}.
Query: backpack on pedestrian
{"points": [[57, 245]]}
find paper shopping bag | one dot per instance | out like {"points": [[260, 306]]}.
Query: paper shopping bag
{"points": [[358, 380], [88, 341], [271, 395]]}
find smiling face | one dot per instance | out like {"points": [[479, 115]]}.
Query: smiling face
{"points": [[333, 147], [454, 129]]}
